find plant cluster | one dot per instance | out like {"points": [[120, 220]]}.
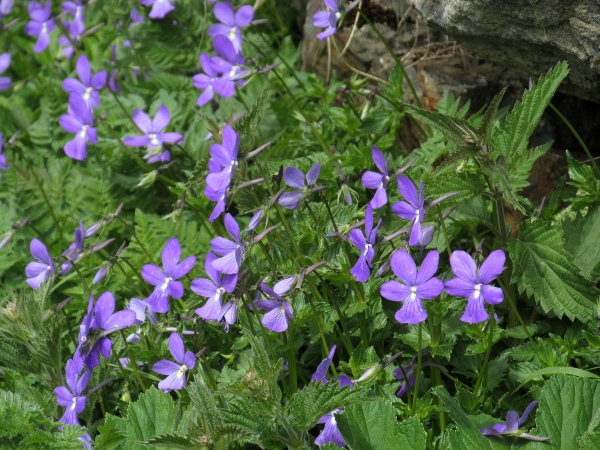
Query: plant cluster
{"points": [[230, 285]]}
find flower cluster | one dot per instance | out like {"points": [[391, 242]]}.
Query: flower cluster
{"points": [[75, 27], [222, 73]]}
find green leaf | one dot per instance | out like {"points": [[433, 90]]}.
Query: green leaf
{"points": [[566, 409], [455, 129], [512, 137], [543, 269], [247, 125], [573, 371], [316, 400], [469, 434], [582, 241], [410, 434], [370, 425], [109, 436], [173, 441], [578, 171], [487, 123], [204, 404]]}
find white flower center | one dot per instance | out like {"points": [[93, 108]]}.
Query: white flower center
{"points": [[74, 403], [154, 139], [413, 292], [44, 28], [338, 15], [219, 293], [88, 93], [367, 247], [477, 291], [182, 370], [233, 33], [82, 133], [165, 285], [418, 215]]}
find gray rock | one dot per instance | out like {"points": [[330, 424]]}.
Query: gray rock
{"points": [[527, 36]]}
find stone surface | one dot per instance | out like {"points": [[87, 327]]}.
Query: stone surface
{"points": [[527, 36]]}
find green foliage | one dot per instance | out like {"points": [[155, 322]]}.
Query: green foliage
{"points": [[582, 241], [544, 269]]}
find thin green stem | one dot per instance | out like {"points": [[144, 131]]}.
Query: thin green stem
{"points": [[483, 374], [443, 225], [576, 134], [133, 363], [419, 362]]}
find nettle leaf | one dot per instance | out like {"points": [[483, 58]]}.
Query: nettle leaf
{"points": [[512, 137], [566, 411], [369, 425], [175, 442], [487, 123], [582, 241], [544, 269], [152, 415], [305, 408], [468, 435]]}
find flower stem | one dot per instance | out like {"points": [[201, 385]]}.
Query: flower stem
{"points": [[419, 361], [483, 374]]}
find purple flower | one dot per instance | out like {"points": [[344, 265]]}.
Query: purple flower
{"points": [[70, 397], [6, 7], [141, 309], [205, 81], [228, 315], [135, 16], [89, 85], [473, 284], [3, 165], [331, 433], [80, 121], [413, 210], [175, 371], [105, 321], [213, 289], [511, 428], [294, 178], [279, 311], [160, 8], [327, 19], [216, 196], [418, 285], [153, 137], [231, 252], [225, 157], [87, 441], [75, 250], [254, 221], [75, 29], [40, 25], [5, 82], [101, 274], [374, 180], [39, 271], [230, 67], [166, 284], [362, 268], [231, 24], [320, 373]]}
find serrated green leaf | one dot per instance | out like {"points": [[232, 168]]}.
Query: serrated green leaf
{"points": [[543, 269], [578, 171], [511, 138], [109, 436], [173, 442], [370, 425], [470, 435], [566, 409], [485, 129], [410, 434], [582, 241], [572, 371]]}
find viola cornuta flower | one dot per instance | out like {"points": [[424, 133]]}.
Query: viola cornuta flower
{"points": [[3, 165], [75, 250], [75, 30], [254, 221], [375, 180], [295, 178], [216, 196], [417, 285], [6, 7], [38, 271], [5, 82], [225, 157], [135, 16], [230, 66], [231, 252], [160, 8], [89, 85], [154, 137], [321, 372], [104, 320], [80, 121], [331, 433], [175, 371], [362, 268], [279, 311], [231, 23], [473, 284], [213, 289], [40, 25], [413, 209], [327, 19], [228, 315], [511, 428], [166, 282], [141, 308], [205, 81], [69, 396]]}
